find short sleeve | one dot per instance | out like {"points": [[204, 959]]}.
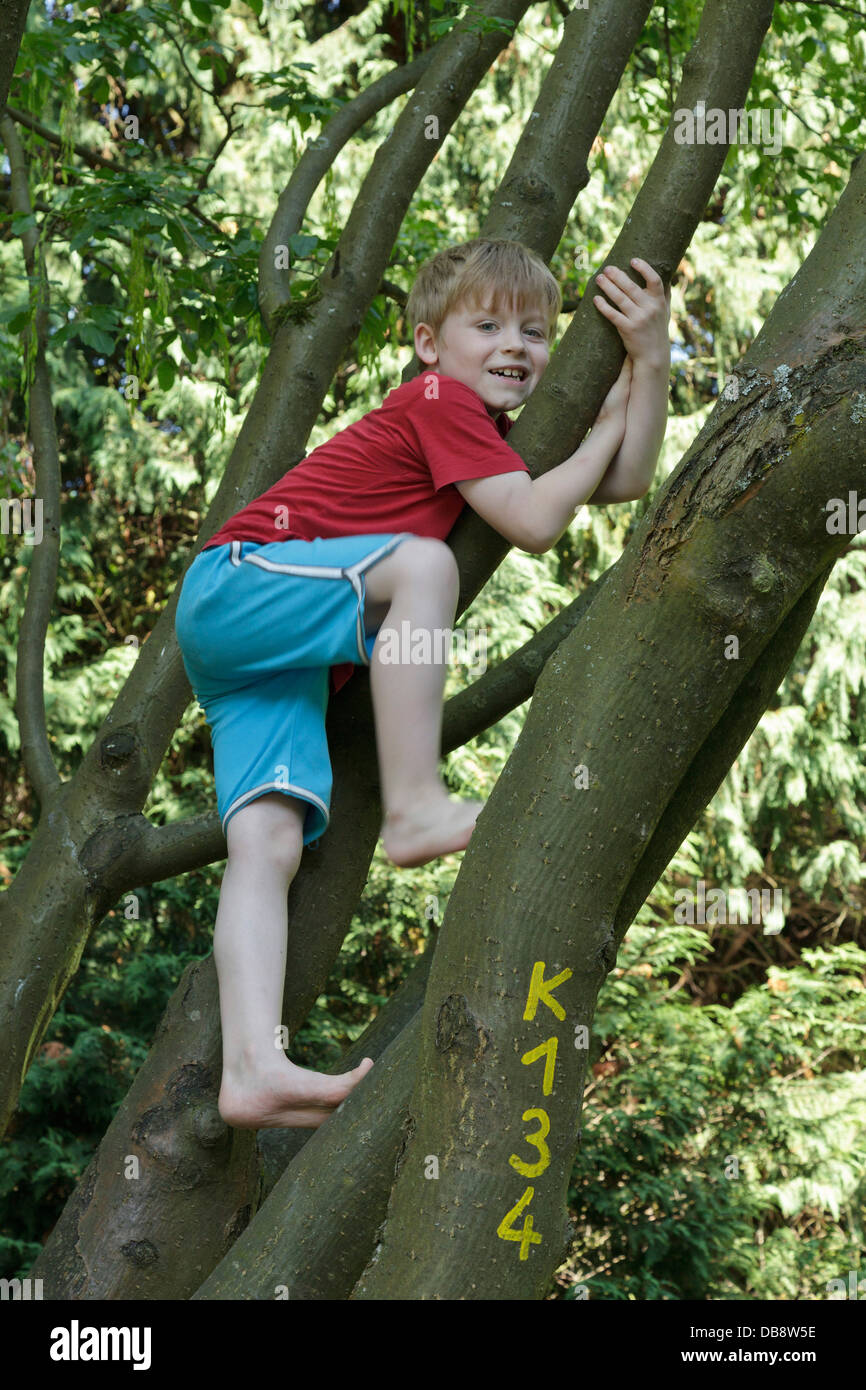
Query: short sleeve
{"points": [[456, 436]]}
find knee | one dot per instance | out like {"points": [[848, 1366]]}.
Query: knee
{"points": [[434, 563], [264, 837]]}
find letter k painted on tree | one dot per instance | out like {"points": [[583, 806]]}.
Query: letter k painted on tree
{"points": [[542, 990]]}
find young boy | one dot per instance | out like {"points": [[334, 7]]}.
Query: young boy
{"points": [[346, 547]]}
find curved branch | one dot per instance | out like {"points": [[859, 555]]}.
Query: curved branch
{"points": [[311, 169], [42, 584]]}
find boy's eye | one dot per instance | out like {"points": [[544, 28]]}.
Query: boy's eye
{"points": [[488, 323]]}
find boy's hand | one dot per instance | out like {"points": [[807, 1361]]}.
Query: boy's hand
{"points": [[641, 315]]}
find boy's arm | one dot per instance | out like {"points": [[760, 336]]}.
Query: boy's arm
{"points": [[533, 513], [641, 321]]}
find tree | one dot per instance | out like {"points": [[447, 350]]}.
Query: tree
{"points": [[719, 556]]}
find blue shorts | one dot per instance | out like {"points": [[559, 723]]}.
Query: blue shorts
{"points": [[259, 628]]}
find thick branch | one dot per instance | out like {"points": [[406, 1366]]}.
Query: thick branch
{"points": [[317, 1247], [662, 221]]}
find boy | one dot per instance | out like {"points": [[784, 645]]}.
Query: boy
{"points": [[350, 544]]}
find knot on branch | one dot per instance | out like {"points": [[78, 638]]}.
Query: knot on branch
{"points": [[530, 188], [457, 1027], [193, 1081], [208, 1126], [763, 575], [607, 948], [140, 1252], [118, 749], [102, 856]]}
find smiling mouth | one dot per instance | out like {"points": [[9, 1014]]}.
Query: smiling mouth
{"points": [[510, 374]]}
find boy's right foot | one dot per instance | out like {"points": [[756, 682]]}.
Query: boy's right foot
{"points": [[290, 1098], [433, 828]]}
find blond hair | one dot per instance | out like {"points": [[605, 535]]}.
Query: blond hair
{"points": [[464, 274]]}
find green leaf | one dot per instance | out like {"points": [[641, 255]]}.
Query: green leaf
{"points": [[177, 235], [136, 65], [97, 89], [201, 11], [81, 237], [64, 332], [256, 6], [95, 338], [22, 222], [165, 373], [284, 99], [244, 301], [302, 246]]}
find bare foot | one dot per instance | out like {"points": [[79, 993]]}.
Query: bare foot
{"points": [[442, 826], [290, 1099]]}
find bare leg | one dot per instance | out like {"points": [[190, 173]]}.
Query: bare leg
{"points": [[420, 584], [261, 1088]]}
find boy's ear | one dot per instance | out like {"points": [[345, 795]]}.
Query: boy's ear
{"points": [[425, 344]]}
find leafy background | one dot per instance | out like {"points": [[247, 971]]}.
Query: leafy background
{"points": [[724, 1128]]}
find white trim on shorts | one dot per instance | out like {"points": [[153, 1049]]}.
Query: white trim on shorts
{"points": [[351, 572], [289, 788]]}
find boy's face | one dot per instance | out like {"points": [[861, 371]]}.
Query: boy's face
{"points": [[474, 344]]}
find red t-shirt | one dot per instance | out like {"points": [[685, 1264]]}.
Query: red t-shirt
{"points": [[392, 470]]}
